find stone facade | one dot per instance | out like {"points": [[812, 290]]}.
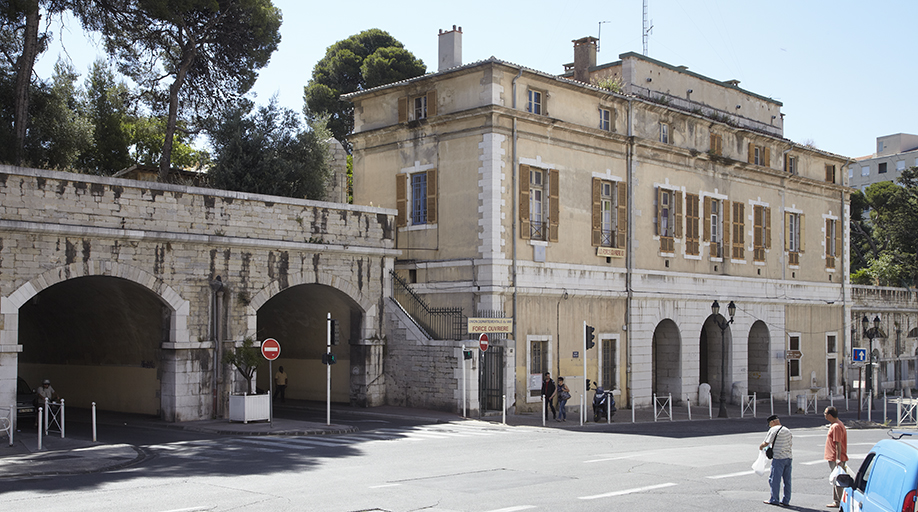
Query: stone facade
{"points": [[213, 259]]}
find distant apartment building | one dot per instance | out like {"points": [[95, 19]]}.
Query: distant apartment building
{"points": [[895, 153], [555, 202]]}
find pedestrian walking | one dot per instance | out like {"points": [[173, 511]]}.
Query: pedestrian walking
{"points": [[280, 385], [780, 440], [836, 449], [548, 391], [564, 394]]}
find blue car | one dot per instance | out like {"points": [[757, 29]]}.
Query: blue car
{"points": [[887, 481]]}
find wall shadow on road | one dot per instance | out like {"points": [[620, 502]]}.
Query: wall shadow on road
{"points": [[709, 427]]}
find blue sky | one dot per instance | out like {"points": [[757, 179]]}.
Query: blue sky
{"points": [[844, 70]]}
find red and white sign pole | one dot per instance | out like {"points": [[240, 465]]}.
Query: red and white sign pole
{"points": [[270, 348], [328, 342]]}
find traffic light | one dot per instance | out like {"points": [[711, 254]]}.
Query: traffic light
{"points": [[588, 384], [328, 359], [466, 354], [589, 337]]}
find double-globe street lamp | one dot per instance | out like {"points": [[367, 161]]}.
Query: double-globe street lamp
{"points": [[870, 334], [715, 310]]}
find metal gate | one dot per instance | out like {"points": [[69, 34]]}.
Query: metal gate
{"points": [[491, 379]]}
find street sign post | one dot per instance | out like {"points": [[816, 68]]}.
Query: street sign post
{"points": [[859, 355], [270, 348], [483, 342]]}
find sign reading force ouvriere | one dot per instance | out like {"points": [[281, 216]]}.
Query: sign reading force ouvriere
{"points": [[490, 325]]}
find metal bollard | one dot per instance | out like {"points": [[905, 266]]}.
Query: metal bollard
{"points": [[63, 422], [632, 408], [771, 401], [504, 409], [94, 422], [654, 397], [39, 429], [688, 405], [544, 412], [788, 404]]}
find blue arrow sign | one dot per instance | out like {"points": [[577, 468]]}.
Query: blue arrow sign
{"points": [[859, 355]]}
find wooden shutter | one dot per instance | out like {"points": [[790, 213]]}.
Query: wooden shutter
{"points": [[622, 220], [802, 229], [706, 220], [717, 144], [767, 161], [767, 227], [525, 231], [432, 196], [401, 200], [830, 173], [838, 243], [751, 158], [758, 226], [403, 109], [659, 211], [677, 207], [725, 222], [596, 218], [431, 103], [554, 204]]}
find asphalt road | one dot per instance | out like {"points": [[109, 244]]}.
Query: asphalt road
{"points": [[405, 465]]}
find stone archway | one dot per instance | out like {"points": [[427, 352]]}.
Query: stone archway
{"points": [[712, 342], [758, 360], [667, 359]]}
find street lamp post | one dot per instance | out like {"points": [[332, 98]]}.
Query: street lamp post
{"points": [[870, 334], [715, 310]]}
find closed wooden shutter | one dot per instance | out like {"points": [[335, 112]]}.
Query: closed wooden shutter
{"points": [[802, 232], [830, 173], [767, 161], [432, 196], [838, 242], [767, 227], [677, 207], [622, 220], [431, 103], [403, 110], [659, 211], [751, 158], [554, 204], [401, 200], [725, 213], [525, 231], [787, 239], [706, 220], [596, 218]]}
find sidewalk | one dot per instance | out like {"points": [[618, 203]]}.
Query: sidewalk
{"points": [[75, 455]]}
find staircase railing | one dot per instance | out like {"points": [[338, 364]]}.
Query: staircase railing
{"points": [[438, 323]]}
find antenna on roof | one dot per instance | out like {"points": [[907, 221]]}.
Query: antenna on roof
{"points": [[647, 29], [599, 35]]}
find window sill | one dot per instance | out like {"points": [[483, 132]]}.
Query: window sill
{"points": [[418, 227], [540, 243], [737, 261]]}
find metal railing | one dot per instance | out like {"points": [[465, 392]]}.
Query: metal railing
{"points": [[438, 323]]}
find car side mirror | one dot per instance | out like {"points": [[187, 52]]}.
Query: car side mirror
{"points": [[844, 480]]}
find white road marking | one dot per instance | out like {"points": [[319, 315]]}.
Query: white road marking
{"points": [[384, 486], [731, 475], [611, 458], [513, 509], [627, 491]]}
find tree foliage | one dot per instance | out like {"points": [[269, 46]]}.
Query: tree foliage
{"points": [[362, 61], [190, 56], [246, 359], [268, 152], [884, 241]]}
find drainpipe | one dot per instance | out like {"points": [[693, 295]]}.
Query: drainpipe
{"points": [[516, 206], [845, 259], [629, 252], [217, 286]]}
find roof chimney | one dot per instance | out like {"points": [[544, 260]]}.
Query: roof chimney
{"points": [[450, 48], [584, 57]]}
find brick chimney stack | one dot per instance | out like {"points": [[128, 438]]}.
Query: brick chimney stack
{"points": [[450, 48], [584, 57]]}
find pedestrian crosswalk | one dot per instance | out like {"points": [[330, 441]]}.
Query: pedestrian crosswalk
{"points": [[217, 448]]}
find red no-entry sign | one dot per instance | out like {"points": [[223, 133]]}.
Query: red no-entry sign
{"points": [[483, 342], [270, 348]]}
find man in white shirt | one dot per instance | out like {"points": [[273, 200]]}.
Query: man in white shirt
{"points": [[781, 439]]}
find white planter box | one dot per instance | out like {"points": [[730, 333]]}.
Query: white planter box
{"points": [[246, 408]]}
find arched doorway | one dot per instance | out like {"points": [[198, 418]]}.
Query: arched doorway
{"points": [[758, 360], [296, 318], [667, 360], [98, 339], [712, 343]]}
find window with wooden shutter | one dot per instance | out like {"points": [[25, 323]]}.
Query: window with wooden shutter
{"points": [[717, 144], [725, 209], [524, 202], [830, 173], [677, 214], [766, 159], [554, 204], [794, 235], [759, 235], [665, 219], [838, 240], [401, 200], [596, 219], [706, 229], [431, 103], [751, 156], [692, 242], [403, 110]]}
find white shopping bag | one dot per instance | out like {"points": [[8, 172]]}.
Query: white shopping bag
{"points": [[762, 464], [839, 470]]}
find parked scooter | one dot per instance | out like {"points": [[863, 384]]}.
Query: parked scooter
{"points": [[601, 400]]}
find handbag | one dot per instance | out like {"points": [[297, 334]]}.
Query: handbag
{"points": [[770, 451], [564, 395]]}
